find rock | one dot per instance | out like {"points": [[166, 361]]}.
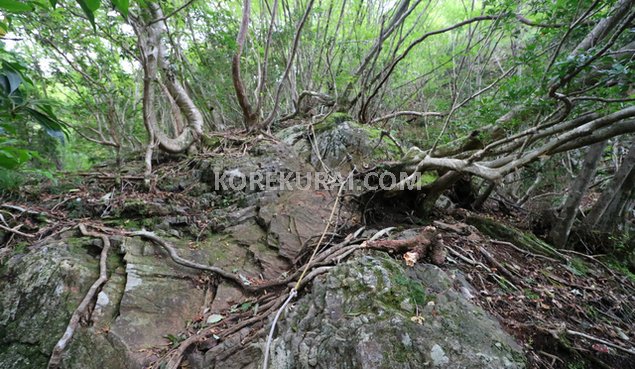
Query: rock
{"points": [[444, 203], [337, 139], [355, 317], [39, 292], [362, 314]]}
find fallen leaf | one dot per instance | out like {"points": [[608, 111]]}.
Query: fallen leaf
{"points": [[214, 318]]}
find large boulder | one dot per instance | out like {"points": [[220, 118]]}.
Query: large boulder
{"points": [[40, 289], [372, 313], [339, 142]]}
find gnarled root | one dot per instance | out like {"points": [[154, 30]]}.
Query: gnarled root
{"points": [[58, 350]]}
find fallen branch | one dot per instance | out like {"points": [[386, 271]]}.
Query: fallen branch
{"points": [[15, 231], [414, 248], [523, 251], [592, 338], [509, 275], [58, 350]]}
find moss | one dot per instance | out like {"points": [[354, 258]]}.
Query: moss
{"points": [[20, 248], [114, 261], [621, 268], [211, 142], [415, 289], [134, 207], [401, 353], [380, 149], [22, 355], [331, 122], [427, 178], [220, 247], [504, 232], [578, 267]]}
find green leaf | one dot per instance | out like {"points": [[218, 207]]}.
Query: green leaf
{"points": [[54, 127], [89, 7], [92, 4], [14, 80], [15, 6], [4, 28], [53, 3], [12, 157], [122, 6]]}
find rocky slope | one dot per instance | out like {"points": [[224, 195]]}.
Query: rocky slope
{"points": [[368, 310]]}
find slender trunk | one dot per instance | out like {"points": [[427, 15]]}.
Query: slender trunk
{"points": [[609, 206], [250, 117], [482, 197], [153, 50], [561, 230]]}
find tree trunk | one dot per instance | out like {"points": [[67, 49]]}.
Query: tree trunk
{"points": [[560, 232], [154, 60], [606, 212]]}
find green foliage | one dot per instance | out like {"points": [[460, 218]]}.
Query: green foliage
{"points": [[15, 6], [22, 117]]}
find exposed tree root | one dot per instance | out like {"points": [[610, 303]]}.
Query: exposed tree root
{"points": [[58, 350], [268, 306], [187, 263]]}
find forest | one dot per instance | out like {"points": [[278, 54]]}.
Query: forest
{"points": [[449, 183]]}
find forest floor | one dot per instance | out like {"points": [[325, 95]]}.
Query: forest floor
{"points": [[566, 310]]}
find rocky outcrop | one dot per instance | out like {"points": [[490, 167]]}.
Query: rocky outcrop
{"points": [[370, 312], [339, 142]]}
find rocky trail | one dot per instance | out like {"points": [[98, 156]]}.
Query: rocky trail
{"points": [[195, 276]]}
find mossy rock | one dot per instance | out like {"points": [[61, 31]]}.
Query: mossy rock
{"points": [[372, 312]]}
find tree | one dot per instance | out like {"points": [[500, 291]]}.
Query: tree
{"points": [[567, 215]]}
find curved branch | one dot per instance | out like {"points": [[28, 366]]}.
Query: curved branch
{"points": [[153, 60], [407, 112], [324, 98]]}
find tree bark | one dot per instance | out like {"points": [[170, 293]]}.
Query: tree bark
{"points": [[250, 117], [561, 230], [154, 60], [605, 213]]}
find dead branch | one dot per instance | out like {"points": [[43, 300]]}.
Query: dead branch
{"points": [[407, 112], [415, 248], [592, 338], [509, 275], [523, 251], [14, 230]]}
